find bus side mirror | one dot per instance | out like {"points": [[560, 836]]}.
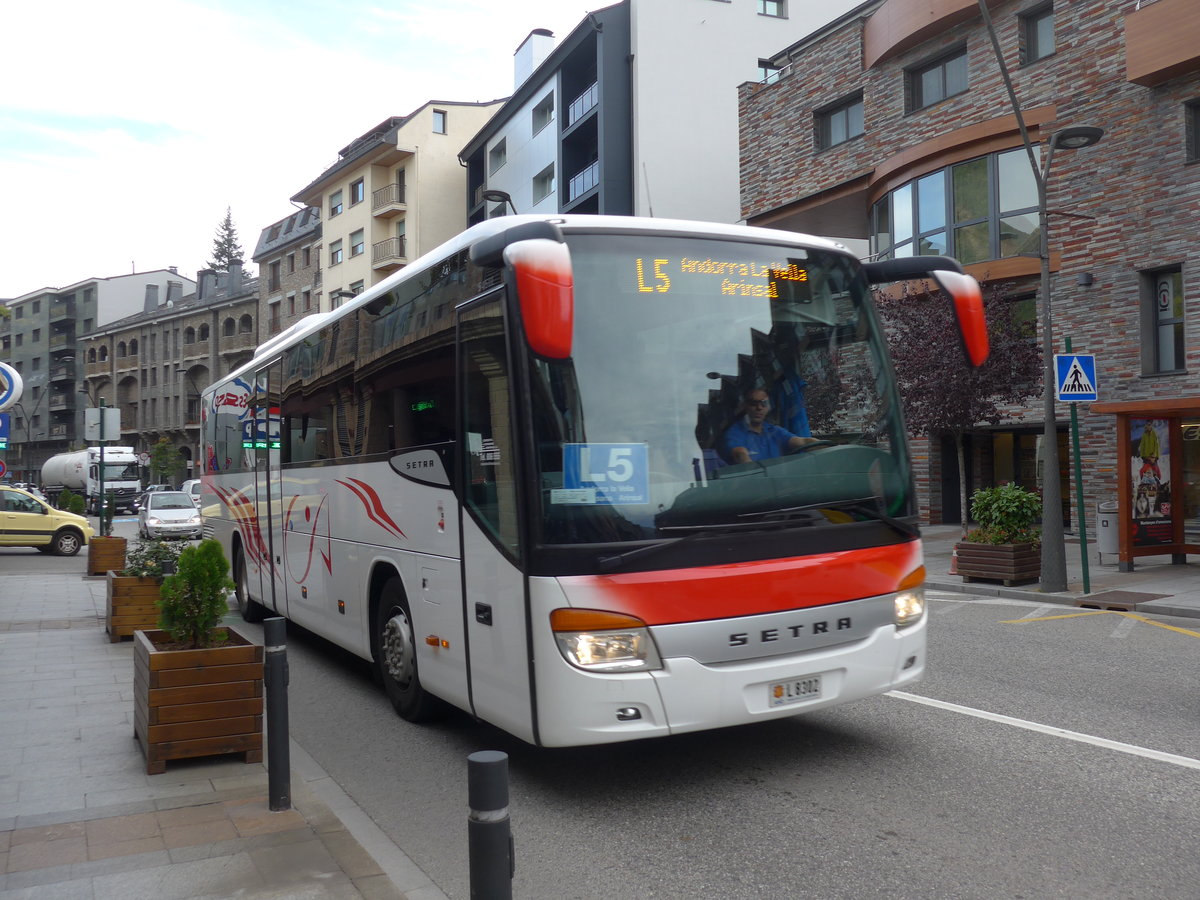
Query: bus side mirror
{"points": [[968, 309], [546, 289]]}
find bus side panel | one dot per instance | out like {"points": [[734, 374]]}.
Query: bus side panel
{"points": [[494, 594]]}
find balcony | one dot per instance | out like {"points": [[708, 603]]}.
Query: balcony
{"points": [[583, 181], [64, 309], [238, 343], [1162, 41], [389, 254], [388, 201], [583, 104], [62, 339], [57, 432], [62, 373], [62, 402]]}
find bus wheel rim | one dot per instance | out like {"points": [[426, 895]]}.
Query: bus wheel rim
{"points": [[398, 649]]}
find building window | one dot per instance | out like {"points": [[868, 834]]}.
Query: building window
{"points": [[37, 335], [357, 288], [291, 263], [274, 317], [1192, 137], [335, 253], [307, 296], [1162, 322], [356, 243], [335, 204], [543, 184], [291, 302], [497, 156], [777, 8], [439, 121], [983, 208], [839, 123], [273, 278], [768, 72], [935, 81], [543, 113], [306, 255], [1037, 34], [357, 192]]}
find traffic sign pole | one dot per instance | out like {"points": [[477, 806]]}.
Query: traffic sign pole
{"points": [[1083, 552]]}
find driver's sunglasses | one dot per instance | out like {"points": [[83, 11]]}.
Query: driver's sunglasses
{"points": [[758, 402]]}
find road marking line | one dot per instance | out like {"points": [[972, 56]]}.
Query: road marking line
{"points": [[1125, 626], [1105, 612], [1037, 612], [1186, 762]]}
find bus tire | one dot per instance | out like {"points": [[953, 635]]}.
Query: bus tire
{"points": [[250, 609], [396, 655]]}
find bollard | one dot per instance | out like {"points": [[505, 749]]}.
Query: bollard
{"points": [[489, 837], [275, 676]]}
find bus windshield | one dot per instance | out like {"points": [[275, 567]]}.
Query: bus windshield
{"points": [[715, 385]]}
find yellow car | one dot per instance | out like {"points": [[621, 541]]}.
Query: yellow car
{"points": [[26, 521]]}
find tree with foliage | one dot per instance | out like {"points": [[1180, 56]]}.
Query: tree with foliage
{"points": [[226, 248], [941, 391], [162, 461]]}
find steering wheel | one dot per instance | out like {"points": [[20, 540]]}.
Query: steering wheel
{"points": [[811, 445]]}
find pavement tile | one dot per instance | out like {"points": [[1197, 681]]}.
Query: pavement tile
{"points": [[117, 829], [253, 818], [212, 832], [43, 854]]}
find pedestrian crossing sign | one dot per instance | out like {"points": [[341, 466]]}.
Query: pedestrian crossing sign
{"points": [[1076, 377]]}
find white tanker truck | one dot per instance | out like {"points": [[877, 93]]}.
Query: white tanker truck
{"points": [[80, 471]]}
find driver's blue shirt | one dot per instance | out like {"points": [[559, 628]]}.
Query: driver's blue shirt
{"points": [[770, 443]]}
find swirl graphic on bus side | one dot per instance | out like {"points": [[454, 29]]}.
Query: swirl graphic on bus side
{"points": [[300, 527], [374, 505]]}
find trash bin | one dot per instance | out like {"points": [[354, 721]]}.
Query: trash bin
{"points": [[1107, 529]]}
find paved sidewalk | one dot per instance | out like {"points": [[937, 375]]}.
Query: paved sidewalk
{"points": [[1155, 586], [80, 818]]}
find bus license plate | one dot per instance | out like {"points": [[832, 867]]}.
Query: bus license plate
{"points": [[784, 693]]}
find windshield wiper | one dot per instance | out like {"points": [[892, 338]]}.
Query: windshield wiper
{"points": [[609, 563], [860, 505]]}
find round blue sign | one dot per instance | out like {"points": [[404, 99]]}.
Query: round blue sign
{"points": [[10, 386]]}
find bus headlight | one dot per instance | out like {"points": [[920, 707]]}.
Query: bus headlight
{"points": [[910, 598], [600, 641]]}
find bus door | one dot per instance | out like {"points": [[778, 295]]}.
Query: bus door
{"points": [[265, 440], [493, 584]]}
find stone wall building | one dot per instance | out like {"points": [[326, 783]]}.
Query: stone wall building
{"points": [[893, 125]]}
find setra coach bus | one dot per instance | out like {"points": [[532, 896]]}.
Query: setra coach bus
{"points": [[507, 476]]}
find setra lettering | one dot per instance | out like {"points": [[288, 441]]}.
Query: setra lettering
{"points": [[774, 635]]}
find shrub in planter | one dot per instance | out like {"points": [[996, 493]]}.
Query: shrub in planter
{"points": [[1005, 515], [134, 591], [198, 684]]}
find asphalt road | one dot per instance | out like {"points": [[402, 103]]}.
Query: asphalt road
{"points": [[889, 797]]}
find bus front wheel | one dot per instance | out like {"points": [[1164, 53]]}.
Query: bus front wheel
{"points": [[251, 609], [396, 655]]}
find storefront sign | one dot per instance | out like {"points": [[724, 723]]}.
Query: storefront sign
{"points": [[1150, 462]]}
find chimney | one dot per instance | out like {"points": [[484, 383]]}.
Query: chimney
{"points": [[531, 54], [234, 283], [205, 282], [174, 292], [151, 303]]}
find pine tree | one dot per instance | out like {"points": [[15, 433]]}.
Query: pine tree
{"points": [[226, 248]]}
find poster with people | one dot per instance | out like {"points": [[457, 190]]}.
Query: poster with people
{"points": [[1149, 440]]}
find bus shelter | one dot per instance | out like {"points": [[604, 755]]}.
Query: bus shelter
{"points": [[1158, 477]]}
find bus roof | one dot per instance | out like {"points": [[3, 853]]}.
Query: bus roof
{"points": [[567, 223]]}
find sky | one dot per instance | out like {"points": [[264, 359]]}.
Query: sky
{"points": [[127, 128]]}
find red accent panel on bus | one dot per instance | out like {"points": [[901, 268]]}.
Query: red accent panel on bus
{"points": [[546, 287], [746, 589], [968, 308]]}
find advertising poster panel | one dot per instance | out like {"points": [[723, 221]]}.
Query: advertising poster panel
{"points": [[1149, 440]]}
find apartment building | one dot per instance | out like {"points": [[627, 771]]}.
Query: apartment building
{"points": [[288, 255], [41, 340], [391, 195], [154, 365], [634, 112], [893, 125]]}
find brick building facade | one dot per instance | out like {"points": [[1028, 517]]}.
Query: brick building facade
{"points": [[883, 123]]}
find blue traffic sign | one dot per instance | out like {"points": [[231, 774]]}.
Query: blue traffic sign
{"points": [[1075, 377]]}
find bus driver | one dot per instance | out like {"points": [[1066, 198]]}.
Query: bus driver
{"points": [[753, 438]]}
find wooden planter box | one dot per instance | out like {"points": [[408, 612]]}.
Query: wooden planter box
{"points": [[105, 553], [1007, 563], [190, 703], [132, 604]]}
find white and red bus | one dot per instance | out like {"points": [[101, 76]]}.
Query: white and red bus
{"points": [[503, 475]]}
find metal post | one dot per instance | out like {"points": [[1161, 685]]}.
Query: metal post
{"points": [[100, 506], [275, 676], [489, 838], [1082, 512]]}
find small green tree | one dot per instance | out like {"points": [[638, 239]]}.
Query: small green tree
{"points": [[69, 501], [1006, 515], [193, 600], [226, 248], [162, 461]]}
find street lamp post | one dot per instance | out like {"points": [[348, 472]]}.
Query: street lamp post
{"points": [[1054, 552]]}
